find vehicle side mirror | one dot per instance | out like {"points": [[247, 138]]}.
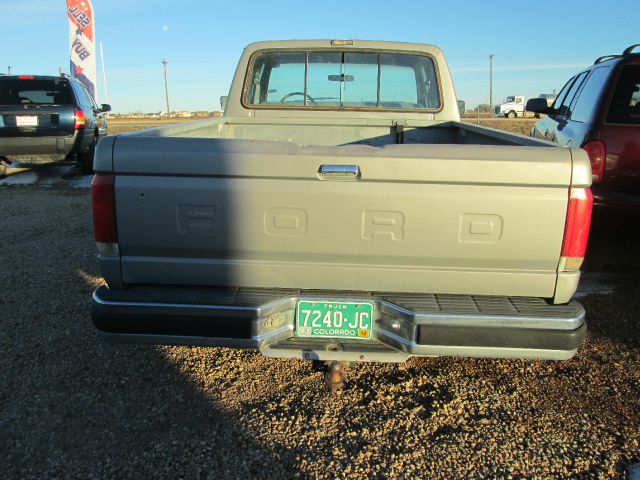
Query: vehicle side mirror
{"points": [[105, 107], [223, 101], [538, 105], [461, 106]]}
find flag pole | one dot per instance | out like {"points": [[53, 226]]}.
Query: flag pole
{"points": [[104, 75]]}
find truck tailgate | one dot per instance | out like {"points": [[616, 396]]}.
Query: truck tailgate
{"points": [[465, 219]]}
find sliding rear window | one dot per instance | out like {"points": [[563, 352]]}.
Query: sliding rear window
{"points": [[334, 79], [625, 103], [19, 91]]}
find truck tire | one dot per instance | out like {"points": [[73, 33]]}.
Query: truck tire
{"points": [[86, 159], [512, 114]]}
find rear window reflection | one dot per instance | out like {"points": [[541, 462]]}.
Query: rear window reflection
{"points": [[14, 91]]}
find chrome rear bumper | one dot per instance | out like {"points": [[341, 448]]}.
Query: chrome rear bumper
{"points": [[406, 324]]}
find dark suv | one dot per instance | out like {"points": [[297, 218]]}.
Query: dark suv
{"points": [[599, 110], [45, 119]]}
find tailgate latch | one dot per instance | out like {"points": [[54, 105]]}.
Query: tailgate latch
{"points": [[339, 172]]}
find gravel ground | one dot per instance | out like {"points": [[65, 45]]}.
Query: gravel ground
{"points": [[73, 406]]}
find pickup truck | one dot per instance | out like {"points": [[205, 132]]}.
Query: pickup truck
{"points": [[339, 211]]}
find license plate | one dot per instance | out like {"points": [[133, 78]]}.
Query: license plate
{"points": [[326, 319], [23, 121]]}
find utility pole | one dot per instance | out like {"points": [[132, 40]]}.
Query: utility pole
{"points": [[9, 68], [166, 87], [491, 81]]}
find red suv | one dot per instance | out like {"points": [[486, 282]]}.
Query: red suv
{"points": [[598, 109]]}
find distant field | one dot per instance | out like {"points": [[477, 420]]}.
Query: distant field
{"points": [[122, 125], [518, 125]]}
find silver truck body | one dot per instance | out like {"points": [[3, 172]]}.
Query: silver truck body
{"points": [[452, 232]]}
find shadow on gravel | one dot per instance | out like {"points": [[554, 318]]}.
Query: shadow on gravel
{"points": [[614, 256], [74, 406], [43, 174], [613, 242]]}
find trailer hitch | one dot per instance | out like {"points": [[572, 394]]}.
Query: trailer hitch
{"points": [[334, 375]]}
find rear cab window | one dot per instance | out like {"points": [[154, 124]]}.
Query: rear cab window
{"points": [[342, 80], [625, 102], [18, 91]]}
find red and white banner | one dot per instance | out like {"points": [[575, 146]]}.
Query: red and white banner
{"points": [[82, 42]]}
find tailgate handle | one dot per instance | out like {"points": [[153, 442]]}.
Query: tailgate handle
{"points": [[339, 172]]}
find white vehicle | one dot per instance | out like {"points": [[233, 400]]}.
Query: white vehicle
{"points": [[549, 97], [512, 107]]}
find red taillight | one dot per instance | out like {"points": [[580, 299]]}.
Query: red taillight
{"points": [[576, 229], [25, 77], [103, 195], [80, 119], [597, 154]]}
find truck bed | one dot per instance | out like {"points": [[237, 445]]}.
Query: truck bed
{"points": [[342, 131], [439, 208]]}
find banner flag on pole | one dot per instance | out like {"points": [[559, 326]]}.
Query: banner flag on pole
{"points": [[82, 42]]}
